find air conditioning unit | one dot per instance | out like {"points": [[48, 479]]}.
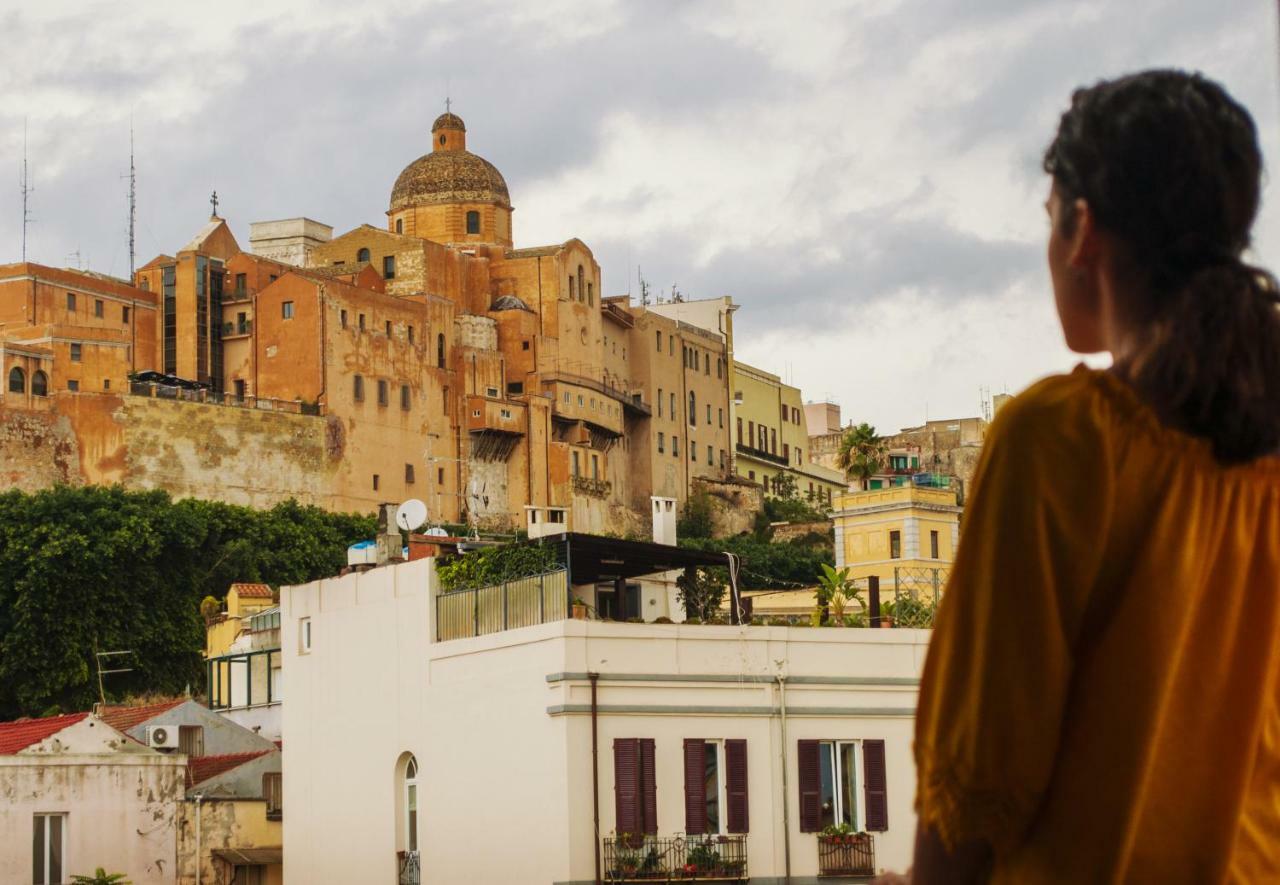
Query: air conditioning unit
{"points": [[162, 737]]}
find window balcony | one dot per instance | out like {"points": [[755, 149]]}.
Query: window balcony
{"points": [[410, 865], [679, 858], [853, 854], [761, 455]]}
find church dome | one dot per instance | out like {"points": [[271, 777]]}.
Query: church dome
{"points": [[450, 173]]}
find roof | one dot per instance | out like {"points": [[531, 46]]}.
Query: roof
{"points": [[123, 718], [19, 735], [449, 177], [253, 591], [202, 768], [510, 302], [197, 241], [534, 251], [448, 121], [594, 558]]}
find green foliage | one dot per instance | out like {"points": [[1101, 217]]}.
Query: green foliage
{"points": [[105, 568], [836, 588], [862, 453], [908, 612], [494, 565], [793, 509], [101, 877], [210, 608], [769, 566], [695, 518], [701, 591], [784, 487]]}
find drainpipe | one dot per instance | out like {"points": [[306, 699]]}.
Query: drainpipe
{"points": [[786, 816], [199, 797], [595, 772]]}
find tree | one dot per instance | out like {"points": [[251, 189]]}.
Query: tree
{"points": [[701, 592], [862, 453]]}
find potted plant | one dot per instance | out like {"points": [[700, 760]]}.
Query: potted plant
{"points": [[579, 608]]}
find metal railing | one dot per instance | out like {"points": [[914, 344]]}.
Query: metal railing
{"points": [[523, 602], [762, 454], [679, 858], [214, 398], [410, 864], [850, 855]]}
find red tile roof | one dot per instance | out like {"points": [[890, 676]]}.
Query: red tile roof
{"points": [[253, 591], [201, 768], [15, 736], [125, 718]]}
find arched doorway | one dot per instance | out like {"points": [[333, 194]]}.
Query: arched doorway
{"points": [[408, 858]]}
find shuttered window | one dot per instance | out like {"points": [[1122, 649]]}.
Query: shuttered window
{"points": [[876, 782], [695, 785], [829, 788], [635, 786], [735, 787], [810, 784]]}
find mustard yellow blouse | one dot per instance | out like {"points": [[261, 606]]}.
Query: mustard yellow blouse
{"points": [[1099, 700]]}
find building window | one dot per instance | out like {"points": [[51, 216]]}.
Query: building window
{"points": [[838, 795], [411, 805], [795, 416], [389, 267], [661, 442], [572, 296], [71, 301], [693, 409], [39, 383], [719, 367], [671, 345], [377, 481], [191, 740], [241, 284], [473, 222], [440, 350], [286, 310], [272, 278], [575, 462], [751, 475], [440, 475], [591, 294], [751, 434], [357, 388], [724, 461], [799, 455], [709, 414], [524, 345], [515, 388], [710, 456], [238, 386], [399, 225], [360, 321], [659, 402], [739, 431], [408, 474], [383, 392], [635, 788], [362, 255], [409, 333], [595, 466], [784, 414], [706, 365], [124, 314], [17, 380], [405, 397], [75, 353], [659, 334], [388, 328], [73, 385], [672, 403], [933, 545], [765, 482], [675, 446], [342, 318], [273, 792], [444, 400], [773, 437], [304, 635], [582, 289], [895, 545], [786, 452], [97, 307], [49, 836]]}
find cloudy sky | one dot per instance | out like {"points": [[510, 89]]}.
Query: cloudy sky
{"points": [[862, 177]]}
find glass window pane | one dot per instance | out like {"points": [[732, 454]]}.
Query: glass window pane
{"points": [[711, 781], [37, 850], [55, 848], [848, 785], [827, 794]]}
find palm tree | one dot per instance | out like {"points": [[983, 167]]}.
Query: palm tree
{"points": [[101, 877], [861, 453]]}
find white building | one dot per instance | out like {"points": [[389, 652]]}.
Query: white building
{"points": [[499, 758], [77, 795]]}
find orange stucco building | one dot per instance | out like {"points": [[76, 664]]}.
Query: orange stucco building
{"points": [[430, 358]]}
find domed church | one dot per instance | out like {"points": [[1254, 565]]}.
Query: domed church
{"points": [[451, 195]]}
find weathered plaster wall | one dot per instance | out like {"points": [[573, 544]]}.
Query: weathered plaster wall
{"points": [[224, 823], [37, 450]]}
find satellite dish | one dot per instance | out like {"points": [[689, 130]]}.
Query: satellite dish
{"points": [[437, 532], [412, 514]]}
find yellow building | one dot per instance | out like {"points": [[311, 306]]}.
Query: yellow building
{"points": [[906, 535]]}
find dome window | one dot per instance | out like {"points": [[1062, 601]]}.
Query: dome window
{"points": [[399, 225], [362, 255], [473, 222]]}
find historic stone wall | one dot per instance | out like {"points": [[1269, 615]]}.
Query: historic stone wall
{"points": [[734, 504], [37, 450]]}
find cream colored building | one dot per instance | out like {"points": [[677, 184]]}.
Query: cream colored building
{"points": [[488, 759]]}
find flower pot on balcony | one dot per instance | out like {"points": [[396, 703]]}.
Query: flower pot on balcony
{"points": [[579, 611]]}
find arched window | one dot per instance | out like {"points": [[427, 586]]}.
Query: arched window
{"points": [[473, 222], [363, 254], [399, 225], [406, 817], [411, 804], [582, 289], [17, 380], [39, 384], [693, 408], [440, 350]]}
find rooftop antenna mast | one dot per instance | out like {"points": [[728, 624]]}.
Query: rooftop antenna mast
{"points": [[644, 287], [98, 656], [27, 190], [133, 200]]}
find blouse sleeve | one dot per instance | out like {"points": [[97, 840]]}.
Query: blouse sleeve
{"points": [[1000, 659]]}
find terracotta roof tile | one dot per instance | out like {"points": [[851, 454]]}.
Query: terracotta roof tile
{"points": [[15, 736], [125, 718], [253, 591], [201, 768]]}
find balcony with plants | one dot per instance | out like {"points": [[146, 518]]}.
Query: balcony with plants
{"points": [[634, 857]]}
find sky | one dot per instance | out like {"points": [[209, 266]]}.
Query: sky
{"points": [[863, 177]]}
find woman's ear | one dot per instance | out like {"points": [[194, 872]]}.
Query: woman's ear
{"points": [[1082, 242]]}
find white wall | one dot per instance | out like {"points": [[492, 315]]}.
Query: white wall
{"points": [[120, 811], [501, 729]]}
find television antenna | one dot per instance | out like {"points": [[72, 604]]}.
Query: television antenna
{"points": [[411, 515], [27, 191], [98, 656], [133, 201]]}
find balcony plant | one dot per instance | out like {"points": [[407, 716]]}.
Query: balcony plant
{"points": [[579, 608]]}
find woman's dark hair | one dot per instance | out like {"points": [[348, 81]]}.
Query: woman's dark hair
{"points": [[1169, 165]]}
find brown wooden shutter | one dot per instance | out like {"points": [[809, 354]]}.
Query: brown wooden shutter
{"points": [[626, 785], [875, 783], [695, 788], [648, 787], [810, 781], [735, 763]]}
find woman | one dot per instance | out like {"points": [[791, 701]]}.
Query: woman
{"points": [[1099, 703]]}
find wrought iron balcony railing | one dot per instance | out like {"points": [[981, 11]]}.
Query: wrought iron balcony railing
{"points": [[410, 867], [853, 854], [678, 858]]}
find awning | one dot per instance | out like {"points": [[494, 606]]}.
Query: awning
{"points": [[250, 856], [593, 559]]}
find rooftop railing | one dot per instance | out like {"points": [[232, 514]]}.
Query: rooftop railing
{"points": [[215, 398], [523, 602]]}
